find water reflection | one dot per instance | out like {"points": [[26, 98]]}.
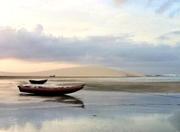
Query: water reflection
{"points": [[175, 120], [123, 123], [66, 99]]}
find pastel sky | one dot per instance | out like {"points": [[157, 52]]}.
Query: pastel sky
{"points": [[139, 35]]}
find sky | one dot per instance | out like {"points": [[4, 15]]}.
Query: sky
{"points": [[141, 35]]}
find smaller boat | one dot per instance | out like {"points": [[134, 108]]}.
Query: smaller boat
{"points": [[52, 76], [38, 81], [50, 90]]}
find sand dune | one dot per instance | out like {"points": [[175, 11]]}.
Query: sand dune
{"points": [[79, 71]]}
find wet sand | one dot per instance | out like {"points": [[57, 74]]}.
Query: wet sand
{"points": [[87, 110], [135, 86], [139, 84]]}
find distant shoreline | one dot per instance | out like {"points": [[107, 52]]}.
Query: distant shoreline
{"points": [[75, 72], [22, 77]]}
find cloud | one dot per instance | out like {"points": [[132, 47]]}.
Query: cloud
{"points": [[119, 2], [114, 51], [165, 6], [162, 6], [169, 6], [39, 28], [175, 12], [170, 35]]}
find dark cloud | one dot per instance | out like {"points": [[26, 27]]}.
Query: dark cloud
{"points": [[114, 51]]}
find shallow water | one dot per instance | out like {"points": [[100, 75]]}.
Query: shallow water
{"points": [[87, 111]]}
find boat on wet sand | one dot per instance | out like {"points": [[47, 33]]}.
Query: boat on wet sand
{"points": [[50, 90], [38, 81]]}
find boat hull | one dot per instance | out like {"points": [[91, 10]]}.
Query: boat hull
{"points": [[42, 90]]}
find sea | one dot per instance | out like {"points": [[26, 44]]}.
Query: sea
{"points": [[90, 110]]}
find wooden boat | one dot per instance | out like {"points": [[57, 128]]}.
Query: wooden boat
{"points": [[52, 76], [50, 90], [38, 81]]}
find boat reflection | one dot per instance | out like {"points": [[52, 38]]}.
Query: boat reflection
{"points": [[65, 99]]}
